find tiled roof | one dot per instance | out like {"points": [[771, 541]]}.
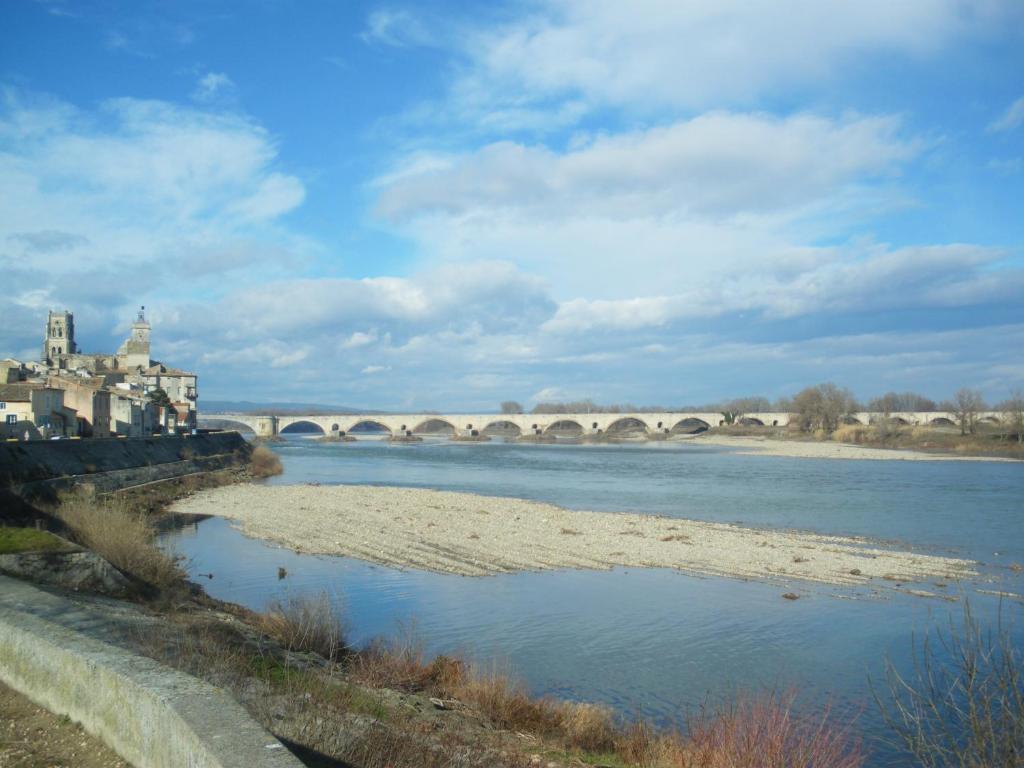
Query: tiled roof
{"points": [[17, 392]]}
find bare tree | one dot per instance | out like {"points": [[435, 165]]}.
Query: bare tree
{"points": [[823, 406], [963, 706], [966, 405], [1013, 413], [893, 402], [511, 406]]}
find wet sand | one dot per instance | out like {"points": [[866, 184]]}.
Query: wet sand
{"points": [[805, 449], [472, 535]]}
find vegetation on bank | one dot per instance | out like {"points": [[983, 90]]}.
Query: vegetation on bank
{"points": [[14, 540], [122, 534], [387, 705], [264, 462]]}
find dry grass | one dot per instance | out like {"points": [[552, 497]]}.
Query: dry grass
{"points": [[264, 462], [765, 733], [399, 663], [121, 534], [348, 711], [307, 624], [505, 703]]}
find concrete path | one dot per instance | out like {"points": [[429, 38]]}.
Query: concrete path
{"points": [[63, 654]]}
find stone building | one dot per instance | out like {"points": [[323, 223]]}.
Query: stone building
{"points": [[90, 399], [114, 393], [36, 409]]}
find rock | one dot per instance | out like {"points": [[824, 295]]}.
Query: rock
{"points": [[791, 596], [855, 571], [74, 568]]}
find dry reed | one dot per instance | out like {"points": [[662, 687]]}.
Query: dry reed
{"points": [[121, 534]]}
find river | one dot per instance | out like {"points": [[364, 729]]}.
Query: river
{"points": [[652, 641]]}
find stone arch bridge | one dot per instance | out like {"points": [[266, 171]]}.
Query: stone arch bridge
{"points": [[468, 425]]}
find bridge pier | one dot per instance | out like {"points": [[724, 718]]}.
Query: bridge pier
{"points": [[266, 426]]}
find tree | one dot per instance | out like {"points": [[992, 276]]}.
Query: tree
{"points": [[823, 407], [511, 406], [1013, 413], [159, 398], [965, 406], [893, 402]]}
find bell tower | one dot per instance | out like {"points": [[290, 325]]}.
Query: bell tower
{"points": [[134, 353], [60, 338]]}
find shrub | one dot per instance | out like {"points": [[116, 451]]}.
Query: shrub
{"points": [[264, 462], [122, 535], [307, 624], [766, 733], [399, 663], [964, 703]]}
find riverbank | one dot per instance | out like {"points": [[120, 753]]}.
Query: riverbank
{"points": [[472, 535], [824, 449]]}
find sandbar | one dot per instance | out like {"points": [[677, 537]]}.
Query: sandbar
{"points": [[473, 535], [806, 449]]}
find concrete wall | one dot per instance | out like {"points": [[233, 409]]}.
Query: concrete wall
{"points": [[152, 716], [32, 468]]}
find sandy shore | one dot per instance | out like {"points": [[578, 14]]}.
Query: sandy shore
{"points": [[462, 533], [765, 446]]}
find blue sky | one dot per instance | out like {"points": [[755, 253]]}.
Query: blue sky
{"points": [[445, 205]]}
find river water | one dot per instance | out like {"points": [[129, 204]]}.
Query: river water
{"points": [[656, 642]]}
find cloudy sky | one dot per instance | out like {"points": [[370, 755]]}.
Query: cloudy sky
{"points": [[448, 204]]}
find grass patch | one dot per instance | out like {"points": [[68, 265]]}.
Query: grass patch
{"points": [[122, 535], [14, 540]]}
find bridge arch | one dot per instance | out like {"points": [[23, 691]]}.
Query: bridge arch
{"points": [[501, 428], [690, 426], [851, 419], [942, 421], [227, 424], [570, 427], [627, 424], [751, 421], [369, 425], [434, 425], [289, 428]]}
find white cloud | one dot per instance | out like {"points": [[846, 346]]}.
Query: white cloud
{"points": [[359, 339], [652, 53], [1012, 118], [675, 208], [398, 28], [372, 369], [132, 199], [718, 163], [859, 281], [211, 86]]}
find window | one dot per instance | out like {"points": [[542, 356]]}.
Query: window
{"points": [[12, 418], [3, 406]]}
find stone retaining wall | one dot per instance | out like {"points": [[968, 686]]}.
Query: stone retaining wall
{"points": [[34, 469], [153, 716]]}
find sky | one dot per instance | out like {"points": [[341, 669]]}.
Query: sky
{"points": [[444, 205]]}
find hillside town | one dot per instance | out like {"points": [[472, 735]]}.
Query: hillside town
{"points": [[68, 393]]}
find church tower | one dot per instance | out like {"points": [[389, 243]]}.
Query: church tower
{"points": [[134, 353], [60, 338]]}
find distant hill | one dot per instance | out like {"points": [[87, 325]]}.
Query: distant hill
{"points": [[246, 406]]}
